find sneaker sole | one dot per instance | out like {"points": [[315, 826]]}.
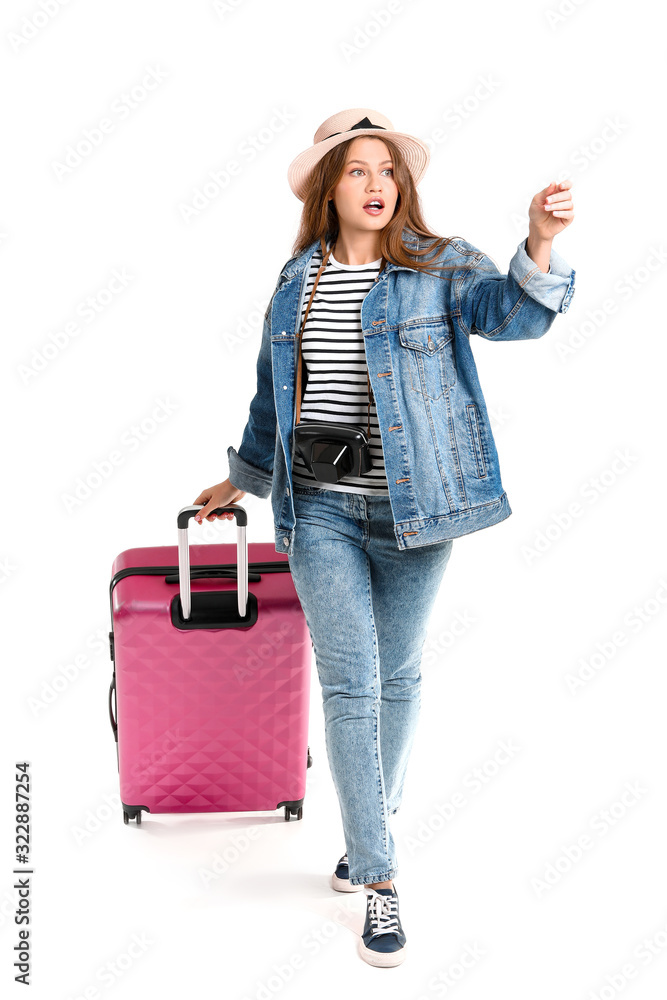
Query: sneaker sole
{"points": [[380, 959], [343, 884]]}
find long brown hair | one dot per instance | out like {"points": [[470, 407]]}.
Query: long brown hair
{"points": [[320, 218]]}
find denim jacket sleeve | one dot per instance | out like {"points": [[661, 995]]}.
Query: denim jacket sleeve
{"points": [[251, 467], [519, 305]]}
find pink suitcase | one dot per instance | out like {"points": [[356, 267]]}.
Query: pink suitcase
{"points": [[211, 680]]}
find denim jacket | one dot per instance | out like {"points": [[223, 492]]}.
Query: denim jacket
{"points": [[440, 457]]}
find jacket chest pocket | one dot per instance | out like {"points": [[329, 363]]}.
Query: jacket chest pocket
{"points": [[429, 355]]}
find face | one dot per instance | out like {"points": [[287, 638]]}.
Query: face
{"points": [[368, 175]]}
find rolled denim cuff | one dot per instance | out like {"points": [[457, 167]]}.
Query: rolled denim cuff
{"points": [[247, 477], [554, 289]]}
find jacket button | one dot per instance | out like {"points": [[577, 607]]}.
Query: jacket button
{"points": [[285, 541], [284, 333], [284, 387]]}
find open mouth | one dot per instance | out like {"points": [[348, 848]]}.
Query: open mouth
{"points": [[374, 206]]}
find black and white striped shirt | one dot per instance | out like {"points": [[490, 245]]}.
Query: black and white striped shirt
{"points": [[335, 357]]}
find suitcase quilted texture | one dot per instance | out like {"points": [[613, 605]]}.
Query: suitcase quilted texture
{"points": [[209, 719]]}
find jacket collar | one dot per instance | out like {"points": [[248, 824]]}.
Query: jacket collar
{"points": [[296, 264]]}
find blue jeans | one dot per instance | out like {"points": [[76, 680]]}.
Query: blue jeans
{"points": [[367, 604]]}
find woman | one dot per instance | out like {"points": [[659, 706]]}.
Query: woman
{"points": [[374, 314]]}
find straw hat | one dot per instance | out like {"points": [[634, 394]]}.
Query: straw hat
{"points": [[348, 125]]}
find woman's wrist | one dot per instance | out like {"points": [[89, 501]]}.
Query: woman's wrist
{"points": [[539, 250]]}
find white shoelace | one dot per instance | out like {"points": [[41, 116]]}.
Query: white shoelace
{"points": [[383, 913]]}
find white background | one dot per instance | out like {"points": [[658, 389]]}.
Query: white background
{"points": [[510, 96]]}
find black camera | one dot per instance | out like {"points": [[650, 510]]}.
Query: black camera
{"points": [[332, 451]]}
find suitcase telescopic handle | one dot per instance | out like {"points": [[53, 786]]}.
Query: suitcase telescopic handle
{"points": [[184, 515]]}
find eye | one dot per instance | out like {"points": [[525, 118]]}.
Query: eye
{"points": [[359, 170]]}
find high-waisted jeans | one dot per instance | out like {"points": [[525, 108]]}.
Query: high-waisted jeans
{"points": [[367, 604]]}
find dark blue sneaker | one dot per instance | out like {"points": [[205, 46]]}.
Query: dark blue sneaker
{"points": [[340, 880], [383, 941]]}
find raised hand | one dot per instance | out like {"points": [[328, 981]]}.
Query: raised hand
{"points": [[551, 210]]}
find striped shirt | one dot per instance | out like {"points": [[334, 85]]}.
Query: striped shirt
{"points": [[335, 358]]}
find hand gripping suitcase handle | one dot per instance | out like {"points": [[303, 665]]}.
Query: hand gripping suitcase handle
{"points": [[184, 515]]}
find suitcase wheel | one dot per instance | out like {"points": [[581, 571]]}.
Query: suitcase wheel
{"points": [[297, 812], [135, 814]]}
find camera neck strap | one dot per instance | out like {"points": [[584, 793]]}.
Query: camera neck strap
{"points": [[299, 365]]}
